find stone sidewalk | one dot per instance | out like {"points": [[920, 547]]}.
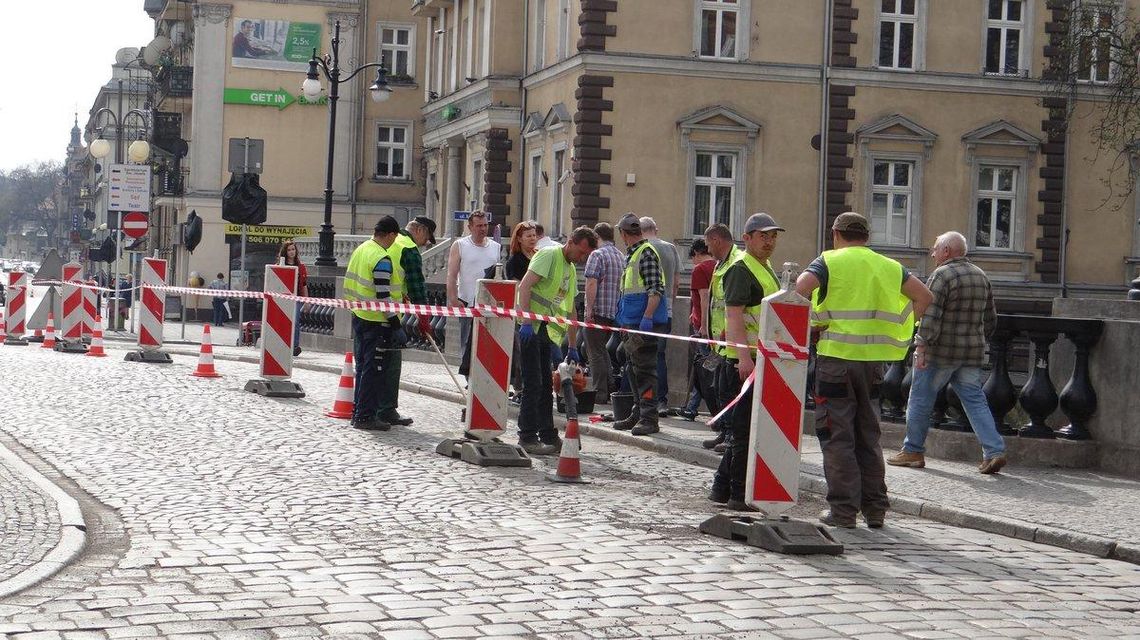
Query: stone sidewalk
{"points": [[1080, 510], [29, 522]]}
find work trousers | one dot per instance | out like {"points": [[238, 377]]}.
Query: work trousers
{"points": [[848, 431], [641, 355], [378, 363], [599, 357], [536, 413], [734, 463]]}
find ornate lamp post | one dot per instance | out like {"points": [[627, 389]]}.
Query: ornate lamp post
{"points": [[329, 67]]}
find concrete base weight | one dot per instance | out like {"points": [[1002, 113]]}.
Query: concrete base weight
{"points": [[782, 536], [70, 347], [13, 341], [275, 388], [150, 357], [485, 454]]}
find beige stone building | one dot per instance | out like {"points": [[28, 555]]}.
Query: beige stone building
{"points": [[926, 116]]}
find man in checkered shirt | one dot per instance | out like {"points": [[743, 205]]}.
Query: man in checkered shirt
{"points": [[950, 346]]}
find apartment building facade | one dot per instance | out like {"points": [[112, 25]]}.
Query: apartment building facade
{"points": [[925, 116]]}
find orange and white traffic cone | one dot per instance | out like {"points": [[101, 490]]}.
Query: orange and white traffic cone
{"points": [[49, 332], [96, 349], [206, 357], [343, 406], [569, 468]]}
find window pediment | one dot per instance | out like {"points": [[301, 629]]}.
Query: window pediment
{"points": [[1001, 133], [557, 117], [534, 125], [718, 118], [897, 128]]}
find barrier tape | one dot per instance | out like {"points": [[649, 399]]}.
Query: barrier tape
{"points": [[768, 349], [744, 387]]}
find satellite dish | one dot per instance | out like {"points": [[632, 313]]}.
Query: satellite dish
{"points": [[125, 55]]}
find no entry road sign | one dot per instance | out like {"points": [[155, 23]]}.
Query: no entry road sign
{"points": [[135, 224]]}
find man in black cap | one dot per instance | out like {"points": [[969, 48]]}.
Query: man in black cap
{"points": [[422, 230], [746, 283], [864, 305]]}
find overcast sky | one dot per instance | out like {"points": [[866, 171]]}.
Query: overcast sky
{"points": [[56, 55]]}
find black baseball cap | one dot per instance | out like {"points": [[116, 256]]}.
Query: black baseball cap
{"points": [[429, 224]]}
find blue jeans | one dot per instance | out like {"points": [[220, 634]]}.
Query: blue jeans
{"points": [[967, 383]]}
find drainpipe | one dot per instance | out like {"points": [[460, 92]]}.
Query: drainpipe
{"points": [[523, 161], [824, 110], [1065, 221]]}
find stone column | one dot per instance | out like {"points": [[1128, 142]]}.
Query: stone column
{"points": [[348, 109], [454, 188], [211, 45]]}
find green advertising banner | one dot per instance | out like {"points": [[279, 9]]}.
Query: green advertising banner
{"points": [[279, 45], [267, 98]]}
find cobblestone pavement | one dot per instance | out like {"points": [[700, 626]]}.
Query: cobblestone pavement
{"points": [[29, 520], [244, 517]]}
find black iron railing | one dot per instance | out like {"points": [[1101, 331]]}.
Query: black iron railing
{"points": [[316, 319]]}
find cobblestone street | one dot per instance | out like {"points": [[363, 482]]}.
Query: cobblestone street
{"points": [[217, 513]]}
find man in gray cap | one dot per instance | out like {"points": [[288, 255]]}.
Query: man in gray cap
{"points": [[641, 307], [865, 305], [746, 283]]}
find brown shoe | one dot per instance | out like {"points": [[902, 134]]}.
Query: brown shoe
{"points": [[907, 459], [993, 465]]}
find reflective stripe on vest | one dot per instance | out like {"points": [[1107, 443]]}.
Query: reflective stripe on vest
{"points": [[768, 283], [554, 295], [867, 317], [717, 321], [358, 282]]}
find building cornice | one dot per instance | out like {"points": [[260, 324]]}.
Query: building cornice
{"points": [[489, 118]]}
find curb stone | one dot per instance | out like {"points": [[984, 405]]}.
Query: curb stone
{"points": [[73, 529], [1008, 527]]}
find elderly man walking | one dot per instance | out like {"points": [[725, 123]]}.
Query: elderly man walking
{"points": [[951, 347]]}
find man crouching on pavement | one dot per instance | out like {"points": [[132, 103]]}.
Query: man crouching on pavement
{"points": [[548, 288]]}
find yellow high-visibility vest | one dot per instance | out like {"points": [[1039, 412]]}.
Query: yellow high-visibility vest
{"points": [[765, 276], [358, 282], [554, 294], [865, 315]]}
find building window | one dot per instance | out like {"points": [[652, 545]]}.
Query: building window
{"points": [[714, 190], [393, 149], [539, 34], [996, 207], [535, 185], [1005, 27], [898, 26], [1095, 23], [563, 29], [477, 185], [555, 230], [398, 50], [719, 24], [892, 201]]}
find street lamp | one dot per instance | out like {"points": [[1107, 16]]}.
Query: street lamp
{"points": [[329, 67], [138, 151]]}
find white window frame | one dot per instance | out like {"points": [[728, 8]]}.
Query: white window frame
{"points": [[918, 44], [563, 30], [477, 172], [538, 56], [1024, 59], [557, 196], [914, 193], [407, 147], [1098, 6], [738, 183], [410, 48], [1018, 213], [534, 185], [743, 11]]}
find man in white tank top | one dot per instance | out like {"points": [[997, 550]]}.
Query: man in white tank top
{"points": [[468, 261]]}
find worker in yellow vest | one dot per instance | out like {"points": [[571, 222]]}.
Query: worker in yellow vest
{"points": [[864, 306], [377, 272], [722, 246], [548, 288], [748, 279]]}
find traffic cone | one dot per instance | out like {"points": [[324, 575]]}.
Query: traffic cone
{"points": [[49, 332], [206, 357], [343, 405], [96, 349], [569, 469]]}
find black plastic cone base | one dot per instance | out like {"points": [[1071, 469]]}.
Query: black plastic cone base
{"points": [[793, 537], [149, 357], [70, 347], [484, 454], [13, 341], [554, 477], [275, 388]]}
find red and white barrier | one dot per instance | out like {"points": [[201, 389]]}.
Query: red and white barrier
{"points": [[278, 311], [71, 304], [16, 307], [153, 306], [491, 352], [90, 310], [772, 483]]}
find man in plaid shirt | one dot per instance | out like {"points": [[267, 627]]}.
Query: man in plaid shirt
{"points": [[950, 346], [603, 288]]}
